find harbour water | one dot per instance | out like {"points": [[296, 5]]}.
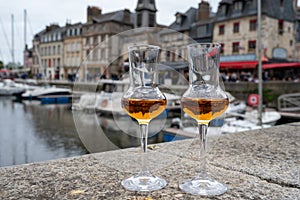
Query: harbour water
{"points": [[31, 132]]}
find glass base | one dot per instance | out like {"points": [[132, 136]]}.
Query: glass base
{"points": [[143, 183], [203, 186]]}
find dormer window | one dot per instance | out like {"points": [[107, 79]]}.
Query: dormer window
{"points": [[223, 9], [178, 19], [238, 6], [253, 3]]}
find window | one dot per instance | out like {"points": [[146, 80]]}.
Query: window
{"points": [[95, 54], [139, 19], [235, 47], [280, 27], [253, 3], [102, 38], [223, 10], [291, 42], [251, 46], [95, 40], [238, 6], [103, 54], [151, 20], [221, 29], [252, 24], [178, 19], [87, 53], [179, 55], [168, 55], [87, 41], [202, 30], [222, 48], [236, 27], [281, 3]]}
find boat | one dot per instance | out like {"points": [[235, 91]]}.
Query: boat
{"points": [[108, 101], [8, 87], [38, 93], [269, 117], [231, 123]]}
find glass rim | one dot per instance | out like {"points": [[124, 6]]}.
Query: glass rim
{"points": [[143, 46]]}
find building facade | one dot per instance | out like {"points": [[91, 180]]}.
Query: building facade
{"points": [[48, 52], [90, 50], [97, 48], [72, 51], [236, 29]]}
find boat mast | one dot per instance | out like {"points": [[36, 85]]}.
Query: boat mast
{"points": [[260, 83], [25, 28], [12, 40], [25, 37]]}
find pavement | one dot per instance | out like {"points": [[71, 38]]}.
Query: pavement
{"points": [[258, 164]]}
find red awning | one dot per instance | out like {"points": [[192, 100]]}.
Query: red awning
{"points": [[280, 65], [5, 71], [239, 65]]}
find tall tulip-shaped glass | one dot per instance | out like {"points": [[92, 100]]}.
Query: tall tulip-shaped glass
{"points": [[143, 101], [204, 100]]}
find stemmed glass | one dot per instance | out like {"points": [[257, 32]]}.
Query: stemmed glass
{"points": [[143, 101], [204, 100]]}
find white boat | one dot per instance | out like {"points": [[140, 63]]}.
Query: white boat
{"points": [[45, 91], [239, 123], [235, 106], [9, 87], [268, 117], [108, 101]]}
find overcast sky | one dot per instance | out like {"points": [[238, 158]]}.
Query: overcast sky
{"points": [[44, 12]]}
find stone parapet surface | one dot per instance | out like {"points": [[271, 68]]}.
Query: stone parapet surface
{"points": [[259, 164]]}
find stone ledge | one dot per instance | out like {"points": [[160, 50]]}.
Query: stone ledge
{"points": [[261, 164]]}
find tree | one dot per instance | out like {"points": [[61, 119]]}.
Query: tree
{"points": [[12, 65], [1, 64]]}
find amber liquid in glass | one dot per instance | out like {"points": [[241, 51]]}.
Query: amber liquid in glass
{"points": [[144, 110], [204, 110]]}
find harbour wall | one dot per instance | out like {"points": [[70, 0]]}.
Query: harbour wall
{"points": [[241, 90]]}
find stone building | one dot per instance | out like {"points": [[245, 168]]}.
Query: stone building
{"points": [[297, 32], [195, 25], [236, 29], [72, 51], [97, 30], [48, 52]]}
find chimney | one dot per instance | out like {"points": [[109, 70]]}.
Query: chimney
{"points": [[126, 17], [203, 10], [93, 11]]}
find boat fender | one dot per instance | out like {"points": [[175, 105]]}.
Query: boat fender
{"points": [[253, 99]]}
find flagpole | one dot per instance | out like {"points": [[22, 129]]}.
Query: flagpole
{"points": [[260, 81]]}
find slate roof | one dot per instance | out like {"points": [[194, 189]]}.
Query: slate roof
{"points": [[271, 8], [188, 19], [117, 16]]}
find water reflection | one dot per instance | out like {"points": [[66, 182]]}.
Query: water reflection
{"points": [[31, 132], [102, 133]]}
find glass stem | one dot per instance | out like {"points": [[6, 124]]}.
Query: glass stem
{"points": [[202, 133], [144, 139]]}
